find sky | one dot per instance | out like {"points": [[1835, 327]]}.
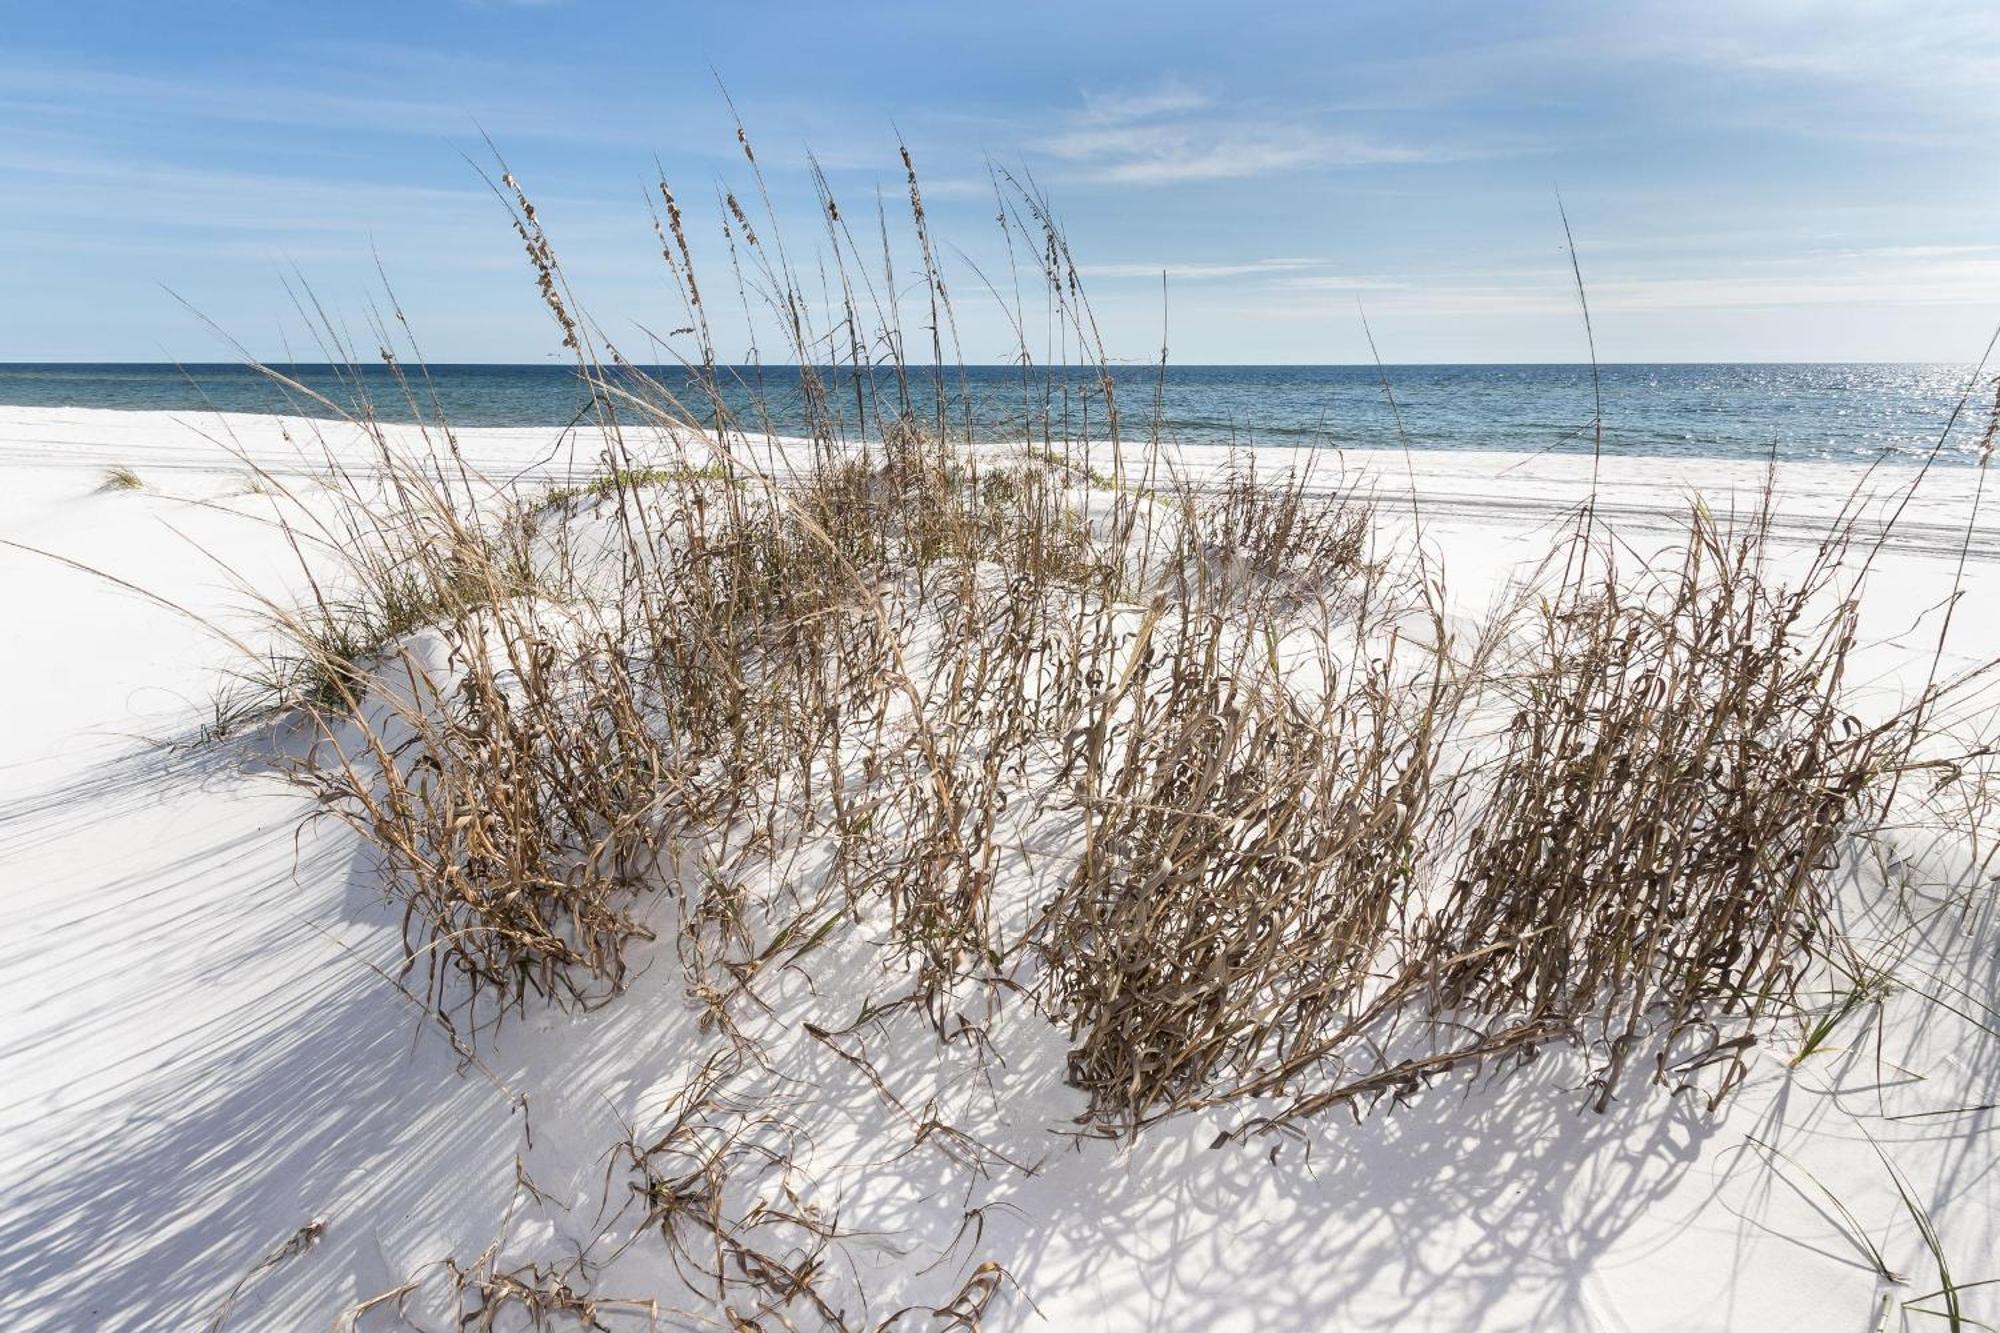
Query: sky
{"points": [[1765, 181]]}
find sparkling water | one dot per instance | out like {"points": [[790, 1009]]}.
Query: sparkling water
{"points": [[1790, 412]]}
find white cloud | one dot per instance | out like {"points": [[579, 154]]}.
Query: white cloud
{"points": [[1172, 133], [1895, 276], [1167, 99], [1941, 45], [1196, 272]]}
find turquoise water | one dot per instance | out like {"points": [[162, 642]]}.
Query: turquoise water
{"points": [[1830, 411]]}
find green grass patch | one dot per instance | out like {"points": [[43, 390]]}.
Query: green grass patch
{"points": [[628, 479]]}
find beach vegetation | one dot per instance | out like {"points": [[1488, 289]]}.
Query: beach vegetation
{"points": [[1304, 837]]}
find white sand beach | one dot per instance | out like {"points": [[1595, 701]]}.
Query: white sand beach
{"points": [[204, 1053]]}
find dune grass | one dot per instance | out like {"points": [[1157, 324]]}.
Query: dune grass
{"points": [[1324, 844], [1223, 677], [619, 479]]}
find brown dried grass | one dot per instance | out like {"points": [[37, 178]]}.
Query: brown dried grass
{"points": [[1299, 882]]}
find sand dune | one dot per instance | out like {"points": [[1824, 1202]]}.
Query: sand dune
{"points": [[203, 1053]]}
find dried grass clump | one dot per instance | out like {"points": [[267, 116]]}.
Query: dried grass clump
{"points": [[1266, 907], [926, 502], [519, 821], [401, 552], [1653, 867], [121, 479], [740, 640], [536, 1296], [1260, 794], [489, 1293], [1250, 859], [726, 1185], [1281, 536], [488, 737]]}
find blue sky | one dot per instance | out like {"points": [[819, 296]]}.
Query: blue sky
{"points": [[1768, 181]]}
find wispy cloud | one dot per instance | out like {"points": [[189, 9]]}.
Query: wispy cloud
{"points": [[1918, 251], [349, 87], [1198, 271], [1887, 276], [1941, 47], [1165, 99], [1172, 133], [1878, 72], [223, 200]]}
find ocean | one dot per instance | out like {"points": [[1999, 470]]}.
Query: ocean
{"points": [[1793, 412]]}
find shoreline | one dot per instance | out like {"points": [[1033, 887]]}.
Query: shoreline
{"points": [[1933, 507], [190, 439]]}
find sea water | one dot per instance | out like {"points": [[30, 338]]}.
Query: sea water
{"points": [[1791, 412]]}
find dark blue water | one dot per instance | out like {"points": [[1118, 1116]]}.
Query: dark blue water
{"points": [[1795, 412]]}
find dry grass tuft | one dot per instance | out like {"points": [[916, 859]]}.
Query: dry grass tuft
{"points": [[1655, 859]]}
